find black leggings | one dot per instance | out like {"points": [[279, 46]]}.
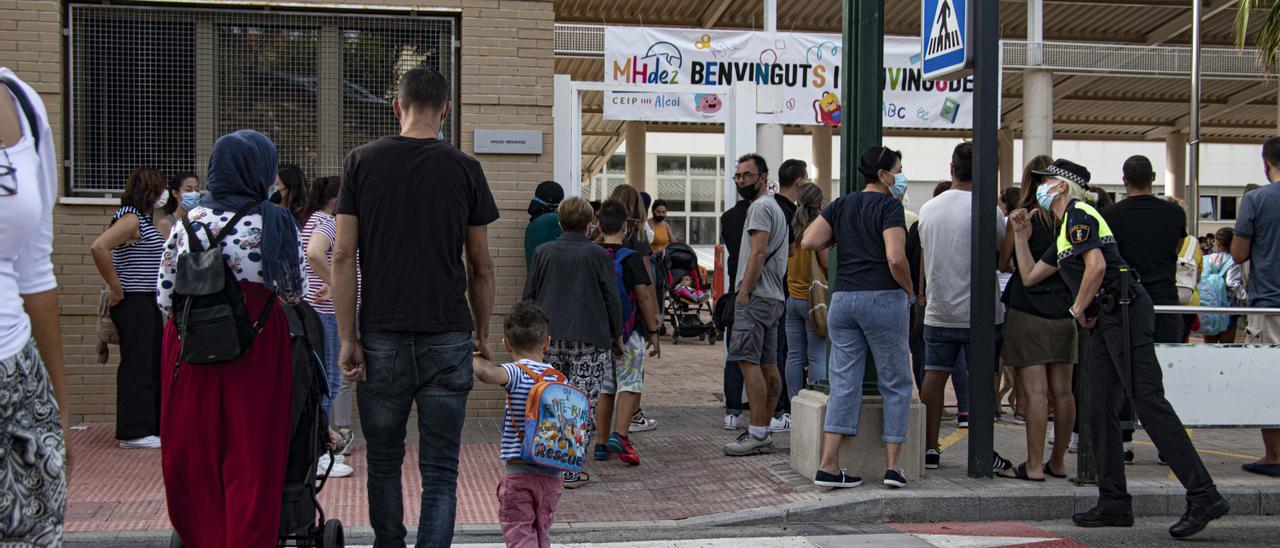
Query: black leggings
{"points": [[140, 325]]}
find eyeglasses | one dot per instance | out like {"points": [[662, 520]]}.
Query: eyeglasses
{"points": [[740, 177], [7, 170]]}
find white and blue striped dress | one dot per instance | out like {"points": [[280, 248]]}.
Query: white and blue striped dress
{"points": [[137, 263]]}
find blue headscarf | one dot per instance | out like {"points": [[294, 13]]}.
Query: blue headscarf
{"points": [[242, 170]]}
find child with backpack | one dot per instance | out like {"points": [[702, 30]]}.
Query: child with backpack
{"points": [[624, 379], [543, 432], [1221, 284]]}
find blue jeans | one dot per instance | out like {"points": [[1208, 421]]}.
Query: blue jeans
{"points": [[803, 346], [876, 324], [332, 372], [434, 371]]}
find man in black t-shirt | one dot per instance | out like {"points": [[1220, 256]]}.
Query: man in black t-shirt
{"points": [[1150, 233], [412, 204], [731, 226]]}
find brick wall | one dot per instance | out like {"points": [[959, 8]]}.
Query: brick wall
{"points": [[506, 64]]}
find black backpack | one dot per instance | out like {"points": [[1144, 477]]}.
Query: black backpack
{"points": [[209, 309]]}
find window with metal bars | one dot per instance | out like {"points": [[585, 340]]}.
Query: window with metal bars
{"points": [[157, 86]]}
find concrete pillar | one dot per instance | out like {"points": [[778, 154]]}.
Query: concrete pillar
{"points": [[822, 158], [635, 154], [1007, 169], [769, 145], [1037, 113], [1175, 162]]}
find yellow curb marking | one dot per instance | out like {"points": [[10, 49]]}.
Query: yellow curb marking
{"points": [[950, 440]]}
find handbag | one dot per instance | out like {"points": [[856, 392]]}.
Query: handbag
{"points": [[106, 328], [727, 305], [819, 296]]}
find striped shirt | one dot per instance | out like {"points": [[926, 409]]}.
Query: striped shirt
{"points": [[518, 385], [322, 223], [138, 263]]}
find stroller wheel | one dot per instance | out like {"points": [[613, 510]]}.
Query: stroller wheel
{"points": [[333, 537], [175, 541]]}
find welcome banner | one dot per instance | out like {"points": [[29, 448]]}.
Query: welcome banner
{"points": [[806, 66]]}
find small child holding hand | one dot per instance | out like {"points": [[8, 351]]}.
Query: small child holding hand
{"points": [[527, 495]]}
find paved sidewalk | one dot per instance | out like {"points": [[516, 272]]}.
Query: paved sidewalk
{"points": [[684, 479]]}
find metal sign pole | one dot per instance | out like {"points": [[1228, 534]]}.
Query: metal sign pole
{"points": [[1193, 160], [985, 43]]}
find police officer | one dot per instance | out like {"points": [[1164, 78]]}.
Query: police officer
{"points": [[1087, 257]]}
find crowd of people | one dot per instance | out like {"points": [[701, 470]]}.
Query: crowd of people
{"points": [[417, 333]]}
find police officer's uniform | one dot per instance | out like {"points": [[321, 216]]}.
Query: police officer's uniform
{"points": [[1084, 229]]}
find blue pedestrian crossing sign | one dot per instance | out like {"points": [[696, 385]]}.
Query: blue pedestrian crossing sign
{"points": [[944, 42]]}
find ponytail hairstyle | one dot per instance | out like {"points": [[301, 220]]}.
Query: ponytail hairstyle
{"points": [[808, 207], [175, 185], [1080, 193], [323, 190]]}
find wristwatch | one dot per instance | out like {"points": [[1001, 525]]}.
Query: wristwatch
{"points": [[1072, 310]]}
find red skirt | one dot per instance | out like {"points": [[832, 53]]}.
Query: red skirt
{"points": [[225, 430]]}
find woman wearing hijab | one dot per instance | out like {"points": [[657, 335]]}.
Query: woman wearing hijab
{"points": [[544, 222], [226, 426]]}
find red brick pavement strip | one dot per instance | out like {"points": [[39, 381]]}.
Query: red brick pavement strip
{"points": [[681, 476]]}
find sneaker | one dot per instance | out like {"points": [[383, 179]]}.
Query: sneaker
{"points": [[1160, 460], [895, 479], [574, 480], [749, 445], [1015, 419], [1129, 457], [347, 436], [962, 420], [732, 422], [1096, 517], [149, 442], [781, 423], [623, 448], [601, 452], [1197, 517], [339, 469], [932, 458], [641, 423], [1075, 443], [838, 481]]}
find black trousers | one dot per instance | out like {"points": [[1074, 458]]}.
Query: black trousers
{"points": [[1158, 417], [141, 329]]}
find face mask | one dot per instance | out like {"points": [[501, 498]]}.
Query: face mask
{"points": [[274, 197], [899, 185], [440, 135], [1043, 197], [190, 200], [161, 201], [749, 193], [659, 218]]}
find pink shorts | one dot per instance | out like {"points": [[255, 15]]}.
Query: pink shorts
{"points": [[526, 508]]}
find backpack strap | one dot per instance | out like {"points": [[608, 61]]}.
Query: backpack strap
{"points": [[28, 109]]}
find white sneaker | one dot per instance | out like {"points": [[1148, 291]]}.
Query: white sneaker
{"points": [[1075, 443], [149, 442], [340, 470], [641, 423], [780, 424], [731, 422]]}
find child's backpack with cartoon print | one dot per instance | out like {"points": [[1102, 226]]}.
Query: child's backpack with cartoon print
{"points": [[208, 306], [556, 423]]}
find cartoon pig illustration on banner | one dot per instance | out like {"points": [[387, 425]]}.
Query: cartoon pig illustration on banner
{"points": [[707, 103]]}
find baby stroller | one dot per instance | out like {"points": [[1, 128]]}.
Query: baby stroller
{"points": [[686, 317], [302, 520]]}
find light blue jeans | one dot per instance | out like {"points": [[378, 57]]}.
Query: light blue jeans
{"points": [[874, 323], [803, 346]]}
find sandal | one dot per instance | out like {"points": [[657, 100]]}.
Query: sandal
{"points": [[1020, 473], [1048, 471]]}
